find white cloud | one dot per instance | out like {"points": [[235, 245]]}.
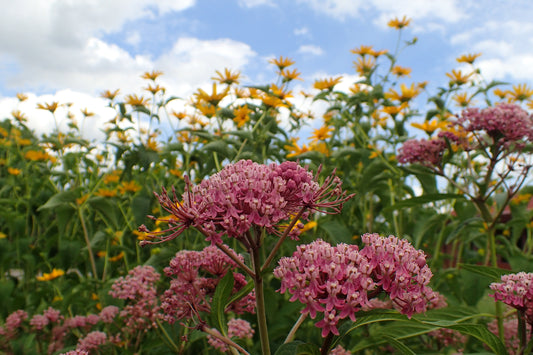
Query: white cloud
{"points": [[301, 31], [310, 49], [254, 3]]}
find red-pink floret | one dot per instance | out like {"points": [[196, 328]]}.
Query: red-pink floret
{"points": [[195, 275], [338, 281], [422, 151], [92, 341]]}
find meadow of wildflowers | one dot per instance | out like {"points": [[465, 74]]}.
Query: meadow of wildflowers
{"points": [[392, 229]]}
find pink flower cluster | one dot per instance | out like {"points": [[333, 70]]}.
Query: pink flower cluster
{"points": [[195, 276], [138, 289], [510, 333], [340, 280], [516, 290], [237, 328], [422, 151], [247, 194], [505, 124], [13, 324]]}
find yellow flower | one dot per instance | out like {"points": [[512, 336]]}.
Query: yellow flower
{"points": [[363, 50], [518, 199], [35, 155], [151, 144], [207, 110], [22, 97], [520, 92], [468, 58], [23, 141], [214, 98], [242, 115], [400, 71], [407, 93], [364, 65], [176, 172], [48, 107], [117, 257], [179, 115], [500, 93], [136, 101], [129, 186], [106, 192], [294, 150], [50, 276], [19, 116], [14, 171], [320, 147], [462, 99], [308, 226], [227, 77], [321, 133], [281, 92], [154, 89], [3, 235], [458, 78], [281, 62], [85, 112], [290, 75], [273, 101], [154, 74], [327, 84], [111, 178], [81, 200], [110, 94], [398, 24], [394, 110], [430, 127]]}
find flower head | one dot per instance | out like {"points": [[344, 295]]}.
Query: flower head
{"points": [[338, 281], [422, 151], [398, 23], [247, 194], [516, 290], [195, 275]]}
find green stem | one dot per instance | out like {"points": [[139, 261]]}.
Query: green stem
{"points": [[292, 333], [522, 331], [87, 242], [167, 337], [260, 303], [440, 239]]}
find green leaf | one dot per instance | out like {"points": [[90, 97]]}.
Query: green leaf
{"points": [[107, 210], [61, 199], [401, 347], [242, 292], [336, 231], [481, 333], [219, 147], [420, 200], [491, 272], [220, 299]]}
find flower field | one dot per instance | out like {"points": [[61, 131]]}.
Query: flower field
{"points": [[402, 223]]}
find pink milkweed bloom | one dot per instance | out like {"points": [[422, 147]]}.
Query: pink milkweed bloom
{"points": [[422, 151], [338, 281], [237, 328], [246, 194], [516, 290], [195, 275]]}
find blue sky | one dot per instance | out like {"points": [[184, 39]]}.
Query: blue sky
{"points": [[70, 51]]}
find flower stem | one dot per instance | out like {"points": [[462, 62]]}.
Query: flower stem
{"points": [[292, 333], [324, 350], [87, 242], [224, 339], [260, 303]]}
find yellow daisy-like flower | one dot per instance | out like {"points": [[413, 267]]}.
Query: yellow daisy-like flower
{"points": [[520, 92], [152, 144], [179, 115], [48, 107], [137, 101], [398, 24], [106, 192], [227, 77], [363, 50], [294, 150], [242, 115], [407, 93], [214, 98], [111, 178], [308, 226], [458, 78], [394, 110], [289, 75], [14, 171], [462, 99], [401, 71], [110, 95], [327, 84], [282, 62], [35, 155], [81, 200], [86, 113], [50, 276], [22, 97], [430, 126], [154, 74], [129, 186], [320, 147], [468, 58], [500, 93], [19, 116], [154, 89], [364, 65], [117, 257], [321, 134], [3, 235]]}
